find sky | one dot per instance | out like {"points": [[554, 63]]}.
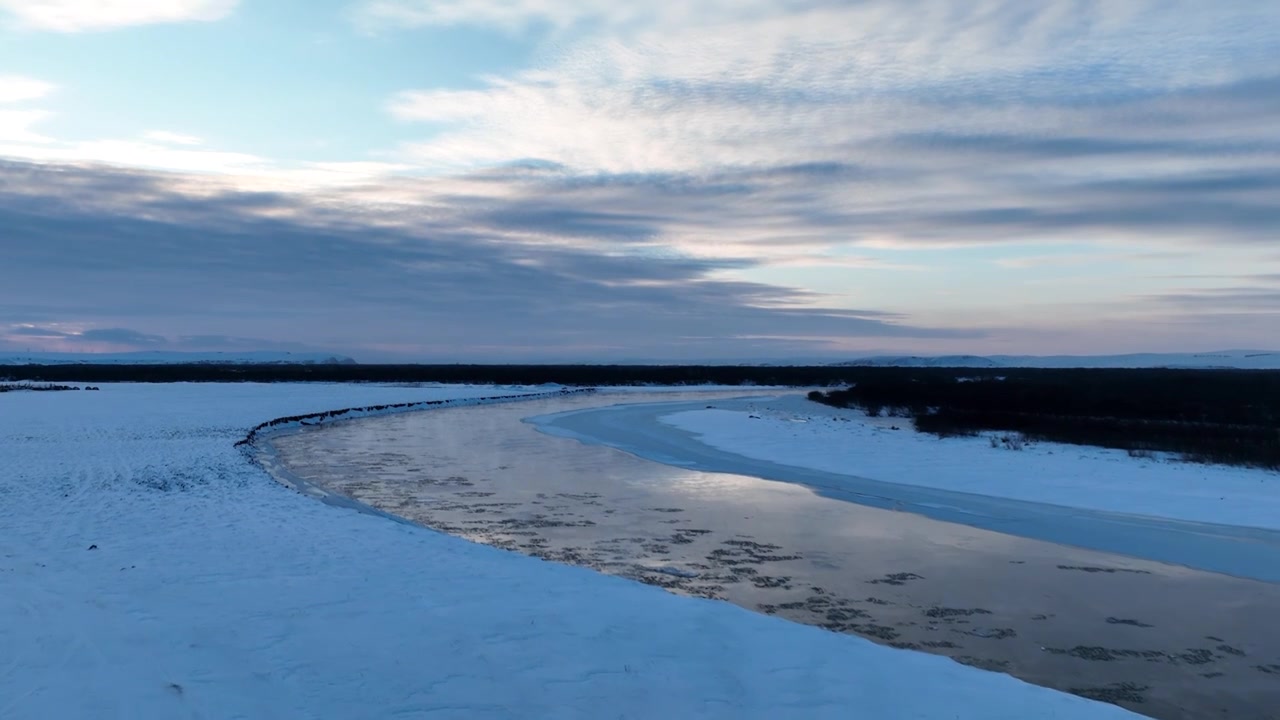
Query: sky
{"points": [[589, 180]]}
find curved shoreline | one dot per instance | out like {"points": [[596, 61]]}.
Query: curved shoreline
{"points": [[1238, 551], [356, 413], [262, 453]]}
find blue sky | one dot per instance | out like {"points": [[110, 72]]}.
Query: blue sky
{"points": [[585, 179]]}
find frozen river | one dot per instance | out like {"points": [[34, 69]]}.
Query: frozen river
{"points": [[1163, 640]]}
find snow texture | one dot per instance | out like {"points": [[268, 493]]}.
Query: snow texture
{"points": [[148, 572], [800, 433]]}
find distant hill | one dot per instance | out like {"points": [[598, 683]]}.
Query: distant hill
{"points": [[1238, 359], [176, 358], [974, 361]]}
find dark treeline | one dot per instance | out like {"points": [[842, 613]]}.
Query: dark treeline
{"points": [[1204, 383], [1213, 415], [46, 387]]}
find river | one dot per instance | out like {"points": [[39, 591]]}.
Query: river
{"points": [[1160, 639]]}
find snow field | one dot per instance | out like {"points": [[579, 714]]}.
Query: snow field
{"points": [[148, 571]]}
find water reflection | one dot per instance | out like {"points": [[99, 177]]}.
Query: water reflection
{"points": [[1166, 641]]}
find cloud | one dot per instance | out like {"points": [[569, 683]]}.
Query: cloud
{"points": [[879, 33], [35, 331], [167, 254], [14, 88], [160, 150], [171, 138], [1221, 300], [515, 15], [119, 336], [919, 123], [71, 16], [664, 176], [111, 336], [15, 127], [129, 153], [50, 339]]}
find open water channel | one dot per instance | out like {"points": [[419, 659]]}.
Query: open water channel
{"points": [[1163, 640]]}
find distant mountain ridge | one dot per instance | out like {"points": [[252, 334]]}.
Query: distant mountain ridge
{"points": [[1225, 359], [176, 358]]}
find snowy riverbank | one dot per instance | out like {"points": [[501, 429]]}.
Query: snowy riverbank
{"points": [[789, 436], [148, 571], [795, 431]]}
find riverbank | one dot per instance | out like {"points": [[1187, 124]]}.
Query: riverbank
{"points": [[795, 431], [960, 480]]}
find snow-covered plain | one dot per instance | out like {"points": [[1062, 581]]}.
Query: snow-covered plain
{"points": [[794, 431], [148, 571]]}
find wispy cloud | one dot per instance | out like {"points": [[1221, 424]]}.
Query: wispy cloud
{"points": [[919, 123], [39, 338], [516, 15], [165, 137], [15, 88], [128, 153], [55, 337], [71, 16], [1256, 300], [16, 126]]}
